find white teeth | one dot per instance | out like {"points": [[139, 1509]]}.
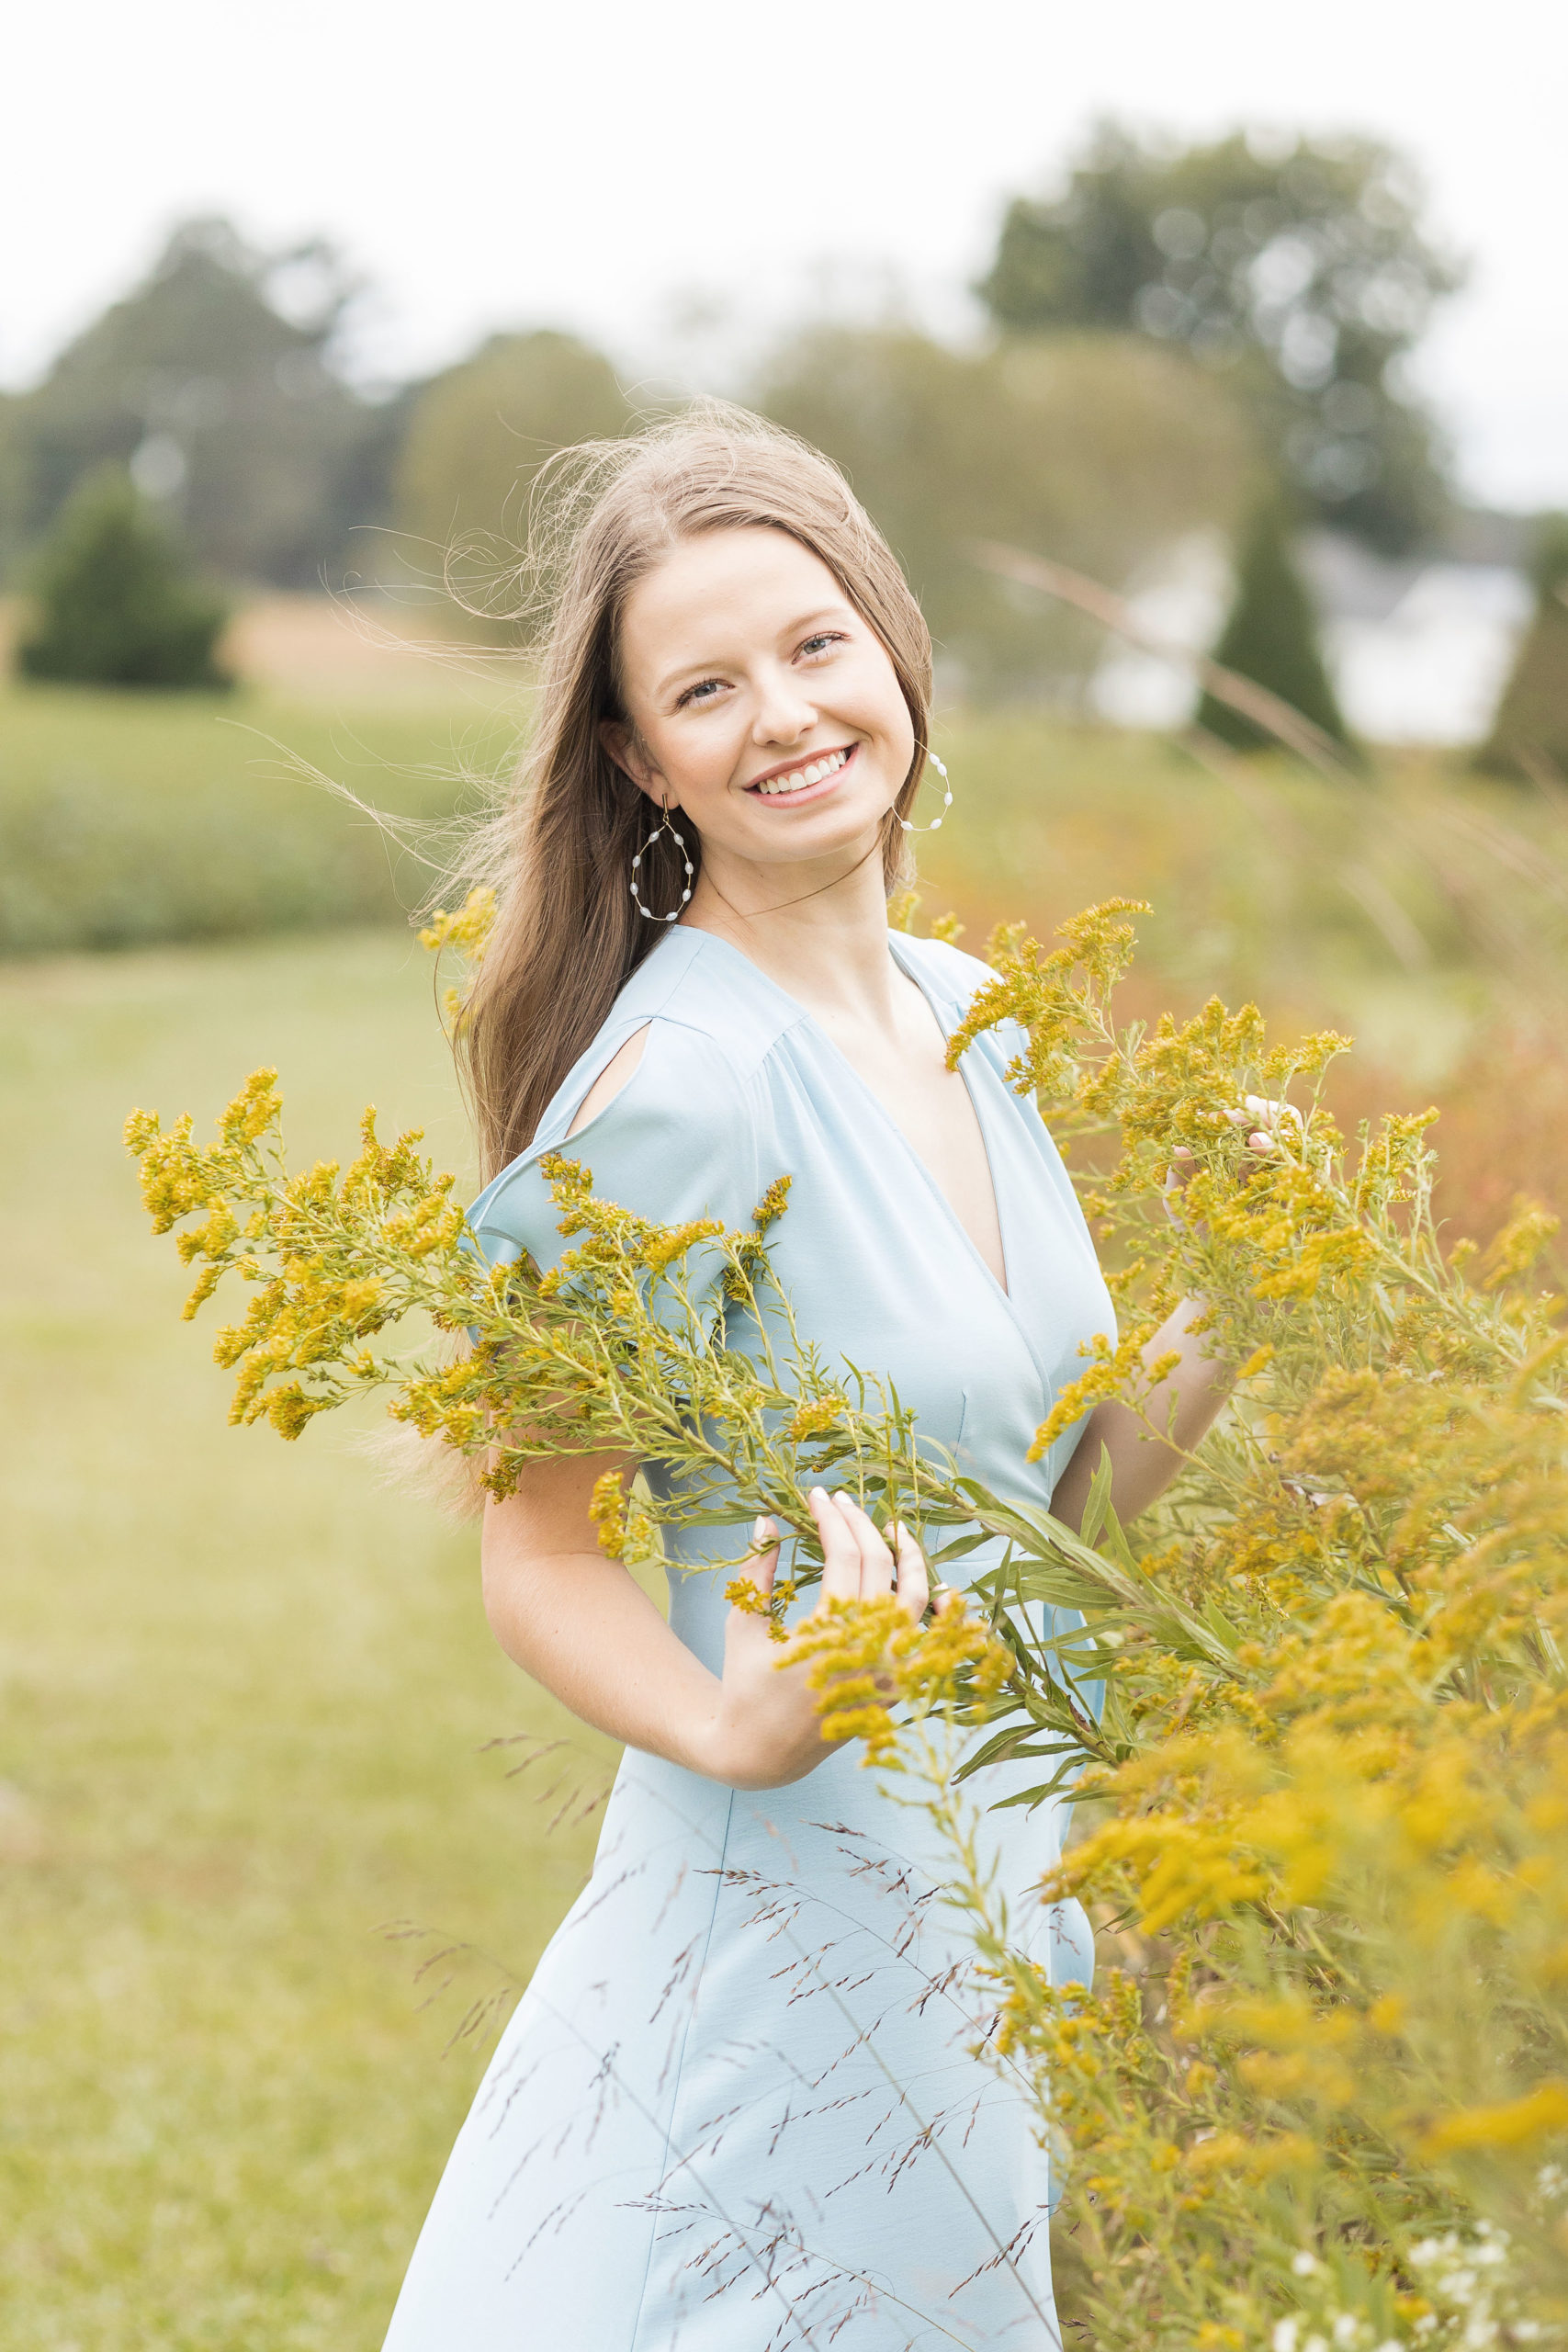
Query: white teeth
{"points": [[801, 779]]}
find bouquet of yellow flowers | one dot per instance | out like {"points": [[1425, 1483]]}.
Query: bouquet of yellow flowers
{"points": [[1320, 2098]]}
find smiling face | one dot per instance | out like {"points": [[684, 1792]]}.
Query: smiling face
{"points": [[761, 704]]}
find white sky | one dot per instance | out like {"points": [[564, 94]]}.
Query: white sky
{"points": [[495, 162]]}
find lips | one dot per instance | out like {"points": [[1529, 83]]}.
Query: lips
{"points": [[806, 782]]}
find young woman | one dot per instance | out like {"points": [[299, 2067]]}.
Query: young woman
{"points": [[740, 2105]]}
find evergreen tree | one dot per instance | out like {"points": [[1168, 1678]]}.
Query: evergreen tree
{"points": [[1271, 637], [116, 603], [1532, 726]]}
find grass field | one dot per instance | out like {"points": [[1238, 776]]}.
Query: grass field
{"points": [[129, 819], [245, 1699], [1417, 908]]}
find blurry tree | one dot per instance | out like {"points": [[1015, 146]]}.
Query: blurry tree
{"points": [[1529, 732], [213, 381], [116, 603], [11, 478], [478, 435], [1271, 636], [1097, 450], [1301, 271]]}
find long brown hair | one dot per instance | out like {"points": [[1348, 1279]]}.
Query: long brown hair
{"points": [[558, 849]]}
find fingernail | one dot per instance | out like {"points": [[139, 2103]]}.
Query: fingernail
{"points": [[761, 1530]]}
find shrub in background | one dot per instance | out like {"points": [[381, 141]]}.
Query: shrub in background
{"points": [[116, 605], [1530, 730], [1271, 637], [129, 820]]}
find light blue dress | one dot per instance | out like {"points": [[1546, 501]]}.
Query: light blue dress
{"points": [[740, 2108]]}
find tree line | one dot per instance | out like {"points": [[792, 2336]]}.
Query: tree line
{"points": [[1178, 338], [1279, 288]]}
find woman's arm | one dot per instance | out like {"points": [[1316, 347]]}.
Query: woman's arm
{"points": [[577, 1623], [1143, 1467]]}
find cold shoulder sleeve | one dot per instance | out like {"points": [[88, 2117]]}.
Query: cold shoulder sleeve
{"points": [[677, 1142]]}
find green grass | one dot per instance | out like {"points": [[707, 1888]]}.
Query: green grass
{"points": [[245, 1697], [129, 819]]}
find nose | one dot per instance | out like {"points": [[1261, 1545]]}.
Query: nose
{"points": [[784, 714]]}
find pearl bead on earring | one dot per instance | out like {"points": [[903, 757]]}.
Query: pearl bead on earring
{"points": [[935, 825]]}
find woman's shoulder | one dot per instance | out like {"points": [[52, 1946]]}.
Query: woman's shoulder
{"points": [[708, 1020], [696, 986], [678, 1138]]}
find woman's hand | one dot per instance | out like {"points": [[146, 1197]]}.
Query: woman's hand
{"points": [[580, 1624], [766, 1731], [1262, 1142]]}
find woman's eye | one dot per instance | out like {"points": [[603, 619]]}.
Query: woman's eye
{"points": [[822, 640], [704, 692]]}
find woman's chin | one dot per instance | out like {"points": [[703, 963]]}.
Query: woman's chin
{"points": [[837, 854], [831, 829]]}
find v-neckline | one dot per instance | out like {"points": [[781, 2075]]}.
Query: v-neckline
{"points": [[1002, 1289]]}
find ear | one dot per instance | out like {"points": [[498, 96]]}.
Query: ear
{"points": [[622, 744]]}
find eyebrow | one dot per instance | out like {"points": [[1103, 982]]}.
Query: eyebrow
{"points": [[688, 671]]}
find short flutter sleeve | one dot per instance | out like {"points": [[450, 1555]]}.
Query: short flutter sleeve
{"points": [[678, 1142]]}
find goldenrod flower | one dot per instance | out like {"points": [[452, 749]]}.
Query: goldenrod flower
{"points": [[1321, 2104]]}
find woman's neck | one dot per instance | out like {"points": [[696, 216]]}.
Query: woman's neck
{"points": [[823, 938]]}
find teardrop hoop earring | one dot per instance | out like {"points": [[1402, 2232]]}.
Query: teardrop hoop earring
{"points": [[935, 825], [663, 826]]}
